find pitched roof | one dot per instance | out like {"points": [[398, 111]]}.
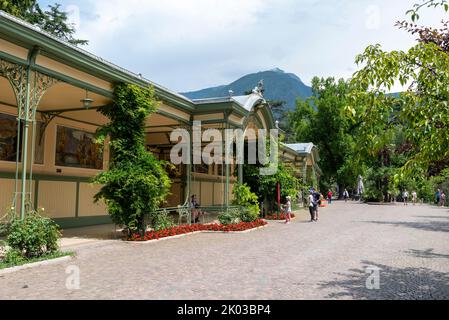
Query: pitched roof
{"points": [[302, 148], [87, 54], [248, 102]]}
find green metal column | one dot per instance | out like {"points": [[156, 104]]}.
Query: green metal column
{"points": [[240, 168], [26, 120], [28, 95], [228, 173], [188, 191]]}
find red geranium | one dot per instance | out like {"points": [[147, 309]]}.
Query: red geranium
{"points": [[180, 230]]}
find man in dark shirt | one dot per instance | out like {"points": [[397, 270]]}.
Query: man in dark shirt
{"points": [[316, 203]]}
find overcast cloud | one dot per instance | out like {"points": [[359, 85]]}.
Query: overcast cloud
{"points": [[192, 44]]}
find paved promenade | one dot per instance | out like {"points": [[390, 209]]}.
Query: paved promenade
{"points": [[396, 252]]}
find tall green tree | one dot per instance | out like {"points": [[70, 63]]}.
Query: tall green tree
{"points": [[18, 8], [54, 20], [265, 186], [422, 109], [322, 119]]}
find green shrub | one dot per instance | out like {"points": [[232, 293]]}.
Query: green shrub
{"points": [[248, 201], [249, 214], [162, 221], [5, 221], [4, 228], [237, 215], [373, 195], [231, 216], [34, 236], [13, 257]]}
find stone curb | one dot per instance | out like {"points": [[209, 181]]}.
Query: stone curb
{"points": [[280, 219], [36, 264], [192, 233]]}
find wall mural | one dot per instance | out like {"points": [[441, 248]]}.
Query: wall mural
{"points": [[8, 140], [8, 137], [78, 149]]}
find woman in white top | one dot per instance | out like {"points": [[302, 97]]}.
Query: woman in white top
{"points": [[311, 204], [414, 197], [405, 196], [288, 210]]}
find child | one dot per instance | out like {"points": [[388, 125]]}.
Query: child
{"points": [[329, 197], [288, 210]]}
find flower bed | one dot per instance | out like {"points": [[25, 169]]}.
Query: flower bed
{"points": [[282, 216], [180, 230]]}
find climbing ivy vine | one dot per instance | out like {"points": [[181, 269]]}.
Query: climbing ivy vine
{"points": [[136, 183]]}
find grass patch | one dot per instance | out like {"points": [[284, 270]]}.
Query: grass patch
{"points": [[50, 256]]}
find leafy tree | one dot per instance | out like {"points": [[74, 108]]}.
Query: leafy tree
{"points": [[265, 186], [414, 12], [421, 109], [136, 183], [18, 8], [54, 20], [322, 120]]}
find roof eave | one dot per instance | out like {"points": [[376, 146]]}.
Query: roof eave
{"points": [[28, 36]]}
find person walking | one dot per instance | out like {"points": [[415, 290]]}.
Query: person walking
{"points": [[311, 205], [288, 210], [405, 196], [438, 197], [346, 195], [317, 201], [414, 197], [443, 199], [329, 197]]}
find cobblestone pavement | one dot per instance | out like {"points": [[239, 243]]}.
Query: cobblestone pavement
{"points": [[325, 260]]}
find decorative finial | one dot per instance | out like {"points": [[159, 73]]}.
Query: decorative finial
{"points": [[260, 89]]}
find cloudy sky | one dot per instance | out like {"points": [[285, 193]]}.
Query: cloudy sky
{"points": [[192, 44]]}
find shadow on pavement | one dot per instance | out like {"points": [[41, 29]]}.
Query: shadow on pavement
{"points": [[395, 284], [436, 226], [428, 254], [432, 217], [100, 232]]}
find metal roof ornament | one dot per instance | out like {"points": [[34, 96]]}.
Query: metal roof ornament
{"points": [[260, 89]]}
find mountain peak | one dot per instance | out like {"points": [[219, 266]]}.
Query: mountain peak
{"points": [[279, 86], [277, 70]]}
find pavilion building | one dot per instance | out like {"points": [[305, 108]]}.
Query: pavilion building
{"points": [[52, 90]]}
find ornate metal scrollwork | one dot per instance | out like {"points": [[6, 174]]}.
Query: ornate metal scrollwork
{"points": [[42, 83], [17, 75]]}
